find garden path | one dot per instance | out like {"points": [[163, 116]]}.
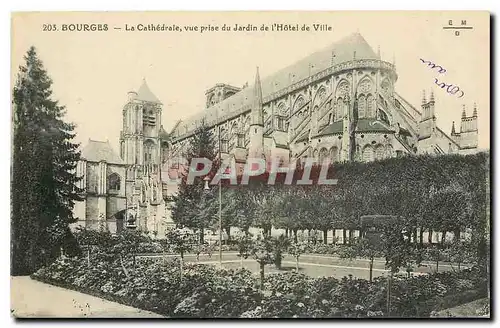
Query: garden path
{"points": [[34, 299]]}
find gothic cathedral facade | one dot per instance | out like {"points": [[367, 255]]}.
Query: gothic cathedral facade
{"points": [[339, 103]]}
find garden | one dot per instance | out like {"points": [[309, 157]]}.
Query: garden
{"points": [[112, 268], [389, 204]]}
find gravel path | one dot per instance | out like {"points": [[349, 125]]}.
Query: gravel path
{"points": [[34, 299]]}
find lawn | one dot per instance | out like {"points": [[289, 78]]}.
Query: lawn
{"points": [[312, 265]]}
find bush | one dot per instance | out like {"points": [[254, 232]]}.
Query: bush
{"points": [[209, 292]]}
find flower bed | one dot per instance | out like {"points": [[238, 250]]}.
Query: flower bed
{"points": [[205, 291]]}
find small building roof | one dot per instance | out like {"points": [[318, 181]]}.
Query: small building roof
{"points": [[98, 151], [164, 136]]}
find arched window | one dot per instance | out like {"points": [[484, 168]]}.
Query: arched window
{"points": [[368, 154], [323, 154], [315, 154], [385, 86], [388, 151], [281, 110], [224, 143], [320, 96], [379, 152], [335, 154], [339, 109], [114, 182], [281, 117], [299, 103], [149, 152], [370, 106], [361, 106]]}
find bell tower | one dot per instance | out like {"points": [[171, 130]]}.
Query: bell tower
{"points": [[140, 136], [140, 149]]}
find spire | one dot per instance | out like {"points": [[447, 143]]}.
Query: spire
{"points": [[378, 51], [453, 128], [145, 94], [432, 96], [463, 112], [257, 101], [474, 113], [354, 55], [424, 101]]}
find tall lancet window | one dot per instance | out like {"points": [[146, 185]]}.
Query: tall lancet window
{"points": [[281, 115], [114, 182], [339, 108], [361, 106], [368, 154], [323, 155], [149, 150], [224, 142], [370, 106], [379, 152]]}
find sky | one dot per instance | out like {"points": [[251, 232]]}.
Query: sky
{"points": [[93, 71]]}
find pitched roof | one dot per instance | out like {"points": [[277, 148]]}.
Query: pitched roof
{"points": [[145, 94], [348, 48], [371, 125], [363, 125], [164, 136], [304, 136], [335, 127], [97, 151]]}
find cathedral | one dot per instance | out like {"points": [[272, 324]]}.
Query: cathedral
{"points": [[338, 104]]}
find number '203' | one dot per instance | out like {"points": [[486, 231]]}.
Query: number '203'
{"points": [[49, 27]]}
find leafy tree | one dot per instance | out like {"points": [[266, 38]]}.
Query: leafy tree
{"points": [[43, 180], [238, 209], [296, 250], [280, 246], [245, 245], [263, 253], [180, 241], [265, 204], [367, 248]]}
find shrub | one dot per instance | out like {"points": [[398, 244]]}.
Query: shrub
{"points": [[207, 291]]}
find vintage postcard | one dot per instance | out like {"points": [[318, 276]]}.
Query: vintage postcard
{"points": [[250, 164]]}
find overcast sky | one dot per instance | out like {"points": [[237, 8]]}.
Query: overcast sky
{"points": [[93, 71]]}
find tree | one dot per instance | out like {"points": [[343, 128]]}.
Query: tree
{"points": [[369, 249], [262, 252], [180, 241], [296, 250], [280, 246], [43, 172], [190, 206], [245, 245]]}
